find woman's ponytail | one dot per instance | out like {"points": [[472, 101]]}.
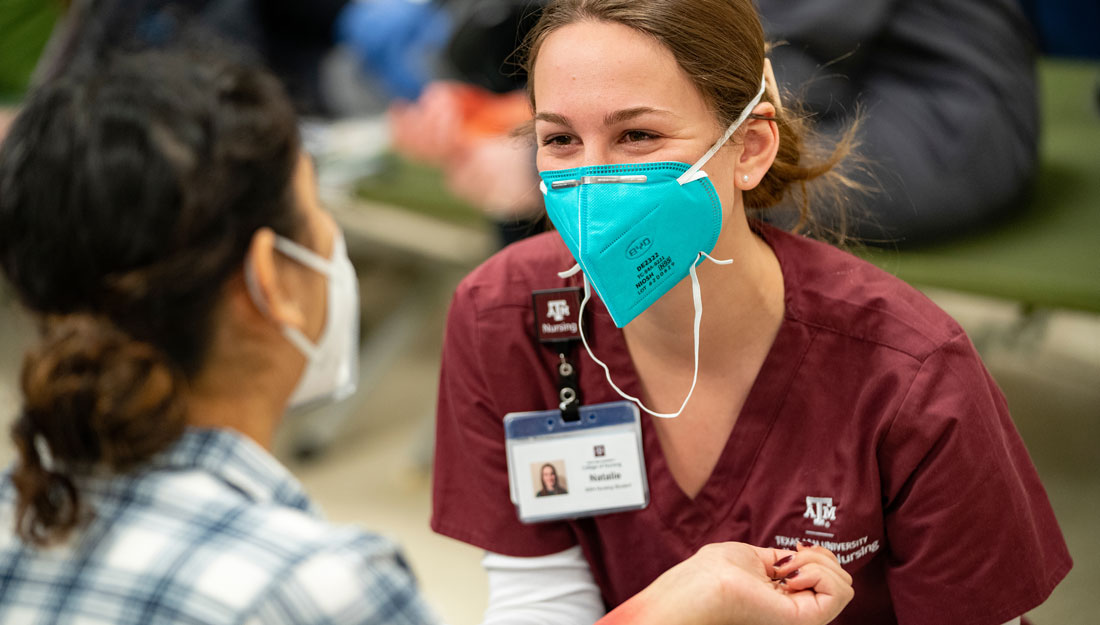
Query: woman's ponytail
{"points": [[805, 156]]}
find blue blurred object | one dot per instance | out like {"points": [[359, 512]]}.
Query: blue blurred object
{"points": [[396, 40], [1067, 28]]}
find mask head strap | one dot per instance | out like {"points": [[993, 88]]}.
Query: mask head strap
{"points": [[693, 172]]}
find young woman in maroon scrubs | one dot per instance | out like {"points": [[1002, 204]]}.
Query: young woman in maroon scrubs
{"points": [[834, 405]]}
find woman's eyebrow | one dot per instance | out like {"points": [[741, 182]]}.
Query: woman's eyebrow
{"points": [[612, 118], [553, 118], [624, 115]]}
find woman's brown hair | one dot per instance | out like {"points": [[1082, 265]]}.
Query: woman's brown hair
{"points": [[129, 193], [720, 45]]}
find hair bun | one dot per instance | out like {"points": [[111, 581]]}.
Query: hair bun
{"points": [[98, 396]]}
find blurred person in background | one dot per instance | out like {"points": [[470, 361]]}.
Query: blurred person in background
{"points": [[290, 37], [816, 399], [440, 67], [948, 98], [159, 220]]}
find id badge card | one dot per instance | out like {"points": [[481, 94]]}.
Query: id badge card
{"points": [[561, 469]]}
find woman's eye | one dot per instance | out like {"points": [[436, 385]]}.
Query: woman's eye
{"points": [[557, 140], [633, 136]]}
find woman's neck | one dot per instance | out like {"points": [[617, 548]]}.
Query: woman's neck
{"points": [[742, 304], [251, 411]]}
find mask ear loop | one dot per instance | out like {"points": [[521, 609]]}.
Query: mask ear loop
{"points": [[310, 259], [693, 172], [697, 301]]}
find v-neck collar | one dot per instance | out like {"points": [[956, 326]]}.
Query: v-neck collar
{"points": [[694, 518]]}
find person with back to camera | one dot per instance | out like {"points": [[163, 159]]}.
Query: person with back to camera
{"points": [[550, 485], [159, 220], [816, 399]]}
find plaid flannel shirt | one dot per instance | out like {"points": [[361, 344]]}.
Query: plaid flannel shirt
{"points": [[213, 530]]}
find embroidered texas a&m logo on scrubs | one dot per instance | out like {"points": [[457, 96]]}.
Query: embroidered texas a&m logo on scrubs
{"points": [[557, 314], [821, 510]]}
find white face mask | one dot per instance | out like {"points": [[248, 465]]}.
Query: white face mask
{"points": [[332, 365]]}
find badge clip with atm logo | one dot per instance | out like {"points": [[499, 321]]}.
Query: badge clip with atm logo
{"points": [[557, 315]]}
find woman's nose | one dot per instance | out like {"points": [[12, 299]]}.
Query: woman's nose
{"points": [[596, 155]]}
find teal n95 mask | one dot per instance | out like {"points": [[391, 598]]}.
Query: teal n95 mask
{"points": [[636, 230], [332, 364]]}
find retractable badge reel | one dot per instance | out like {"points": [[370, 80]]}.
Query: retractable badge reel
{"points": [[572, 460]]}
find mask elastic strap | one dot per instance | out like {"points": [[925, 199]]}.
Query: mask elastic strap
{"points": [[697, 301], [572, 271], [693, 172], [306, 256], [299, 340], [310, 259]]}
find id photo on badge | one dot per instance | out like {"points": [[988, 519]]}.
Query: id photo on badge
{"points": [[549, 478]]}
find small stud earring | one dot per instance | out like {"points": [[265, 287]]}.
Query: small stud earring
{"points": [[745, 178]]}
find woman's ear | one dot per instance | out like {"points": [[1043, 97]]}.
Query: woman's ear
{"points": [[759, 147], [268, 284]]}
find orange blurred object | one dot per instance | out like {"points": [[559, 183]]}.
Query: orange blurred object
{"points": [[450, 116], [487, 114]]}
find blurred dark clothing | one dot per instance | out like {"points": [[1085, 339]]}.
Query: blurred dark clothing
{"points": [[487, 33], [309, 20], [289, 36], [948, 96], [1066, 28]]}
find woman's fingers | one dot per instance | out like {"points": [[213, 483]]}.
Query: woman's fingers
{"points": [[818, 590], [818, 578], [814, 580], [771, 558], [805, 555]]}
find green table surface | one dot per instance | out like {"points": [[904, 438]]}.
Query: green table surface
{"points": [[399, 182], [1048, 254]]}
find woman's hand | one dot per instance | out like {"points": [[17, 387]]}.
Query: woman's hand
{"points": [[497, 175], [429, 129], [738, 584]]}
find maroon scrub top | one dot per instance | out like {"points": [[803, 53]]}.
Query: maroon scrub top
{"points": [[872, 429]]}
